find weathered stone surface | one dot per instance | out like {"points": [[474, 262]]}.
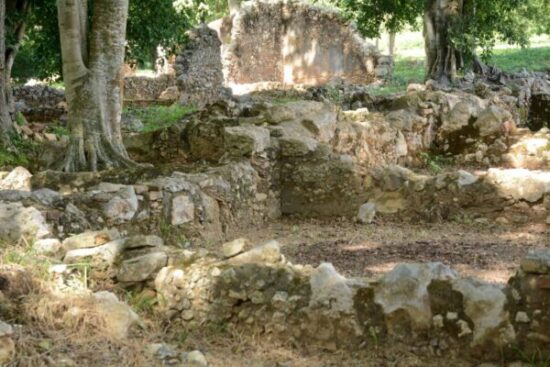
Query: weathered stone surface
{"points": [[141, 240], [520, 184], [194, 359], [291, 28], [90, 239], [122, 206], [117, 315], [536, 262], [235, 247], [330, 289], [405, 289], [366, 213], [183, 209], [7, 346], [269, 252], [18, 221], [18, 179], [490, 121], [141, 268], [485, 305], [246, 140], [199, 69], [103, 255], [49, 246]]}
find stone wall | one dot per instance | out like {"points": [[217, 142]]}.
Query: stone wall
{"points": [[199, 69], [40, 102], [296, 43], [149, 89]]}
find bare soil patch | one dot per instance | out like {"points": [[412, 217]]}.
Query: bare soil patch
{"points": [[488, 252]]}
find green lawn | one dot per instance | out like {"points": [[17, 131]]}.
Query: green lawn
{"points": [[409, 60]]}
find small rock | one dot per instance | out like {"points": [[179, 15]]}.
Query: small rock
{"points": [[536, 262], [142, 267], [187, 315], [143, 241], [366, 213], [18, 179], [465, 178], [521, 317], [106, 253], [235, 247], [269, 252], [194, 359], [116, 314], [123, 206], [48, 246], [90, 239]]}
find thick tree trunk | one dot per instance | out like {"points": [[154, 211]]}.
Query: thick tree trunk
{"points": [[234, 6], [442, 58], [6, 124], [93, 82]]}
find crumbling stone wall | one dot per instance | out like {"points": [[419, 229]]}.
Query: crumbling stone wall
{"points": [[40, 102], [146, 89], [296, 43], [199, 68]]}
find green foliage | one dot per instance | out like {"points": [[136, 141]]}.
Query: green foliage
{"points": [[20, 119], [23, 254], [482, 24], [513, 59], [24, 148], [58, 130], [435, 162], [151, 23], [141, 302], [159, 117]]}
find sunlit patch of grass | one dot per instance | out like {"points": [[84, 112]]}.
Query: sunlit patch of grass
{"points": [[516, 59], [158, 117], [22, 253]]}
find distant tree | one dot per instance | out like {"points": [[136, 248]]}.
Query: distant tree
{"points": [[453, 29]]}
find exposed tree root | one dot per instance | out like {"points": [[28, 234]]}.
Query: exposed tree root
{"points": [[94, 153]]}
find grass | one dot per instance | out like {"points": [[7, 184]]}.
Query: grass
{"points": [[19, 157], [409, 60], [159, 117], [58, 130]]}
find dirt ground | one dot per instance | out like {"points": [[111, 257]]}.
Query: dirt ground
{"points": [[489, 252]]}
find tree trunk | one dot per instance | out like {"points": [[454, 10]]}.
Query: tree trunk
{"points": [[93, 79], [441, 56], [6, 123], [234, 6], [21, 7], [391, 44]]}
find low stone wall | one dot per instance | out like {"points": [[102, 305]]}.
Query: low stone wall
{"points": [[40, 102], [424, 304]]}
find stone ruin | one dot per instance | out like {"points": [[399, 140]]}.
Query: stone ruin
{"points": [[275, 44], [291, 42], [242, 164]]}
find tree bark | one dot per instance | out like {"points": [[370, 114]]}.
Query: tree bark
{"points": [[93, 74], [21, 7], [441, 56], [391, 44], [6, 123], [234, 6]]}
